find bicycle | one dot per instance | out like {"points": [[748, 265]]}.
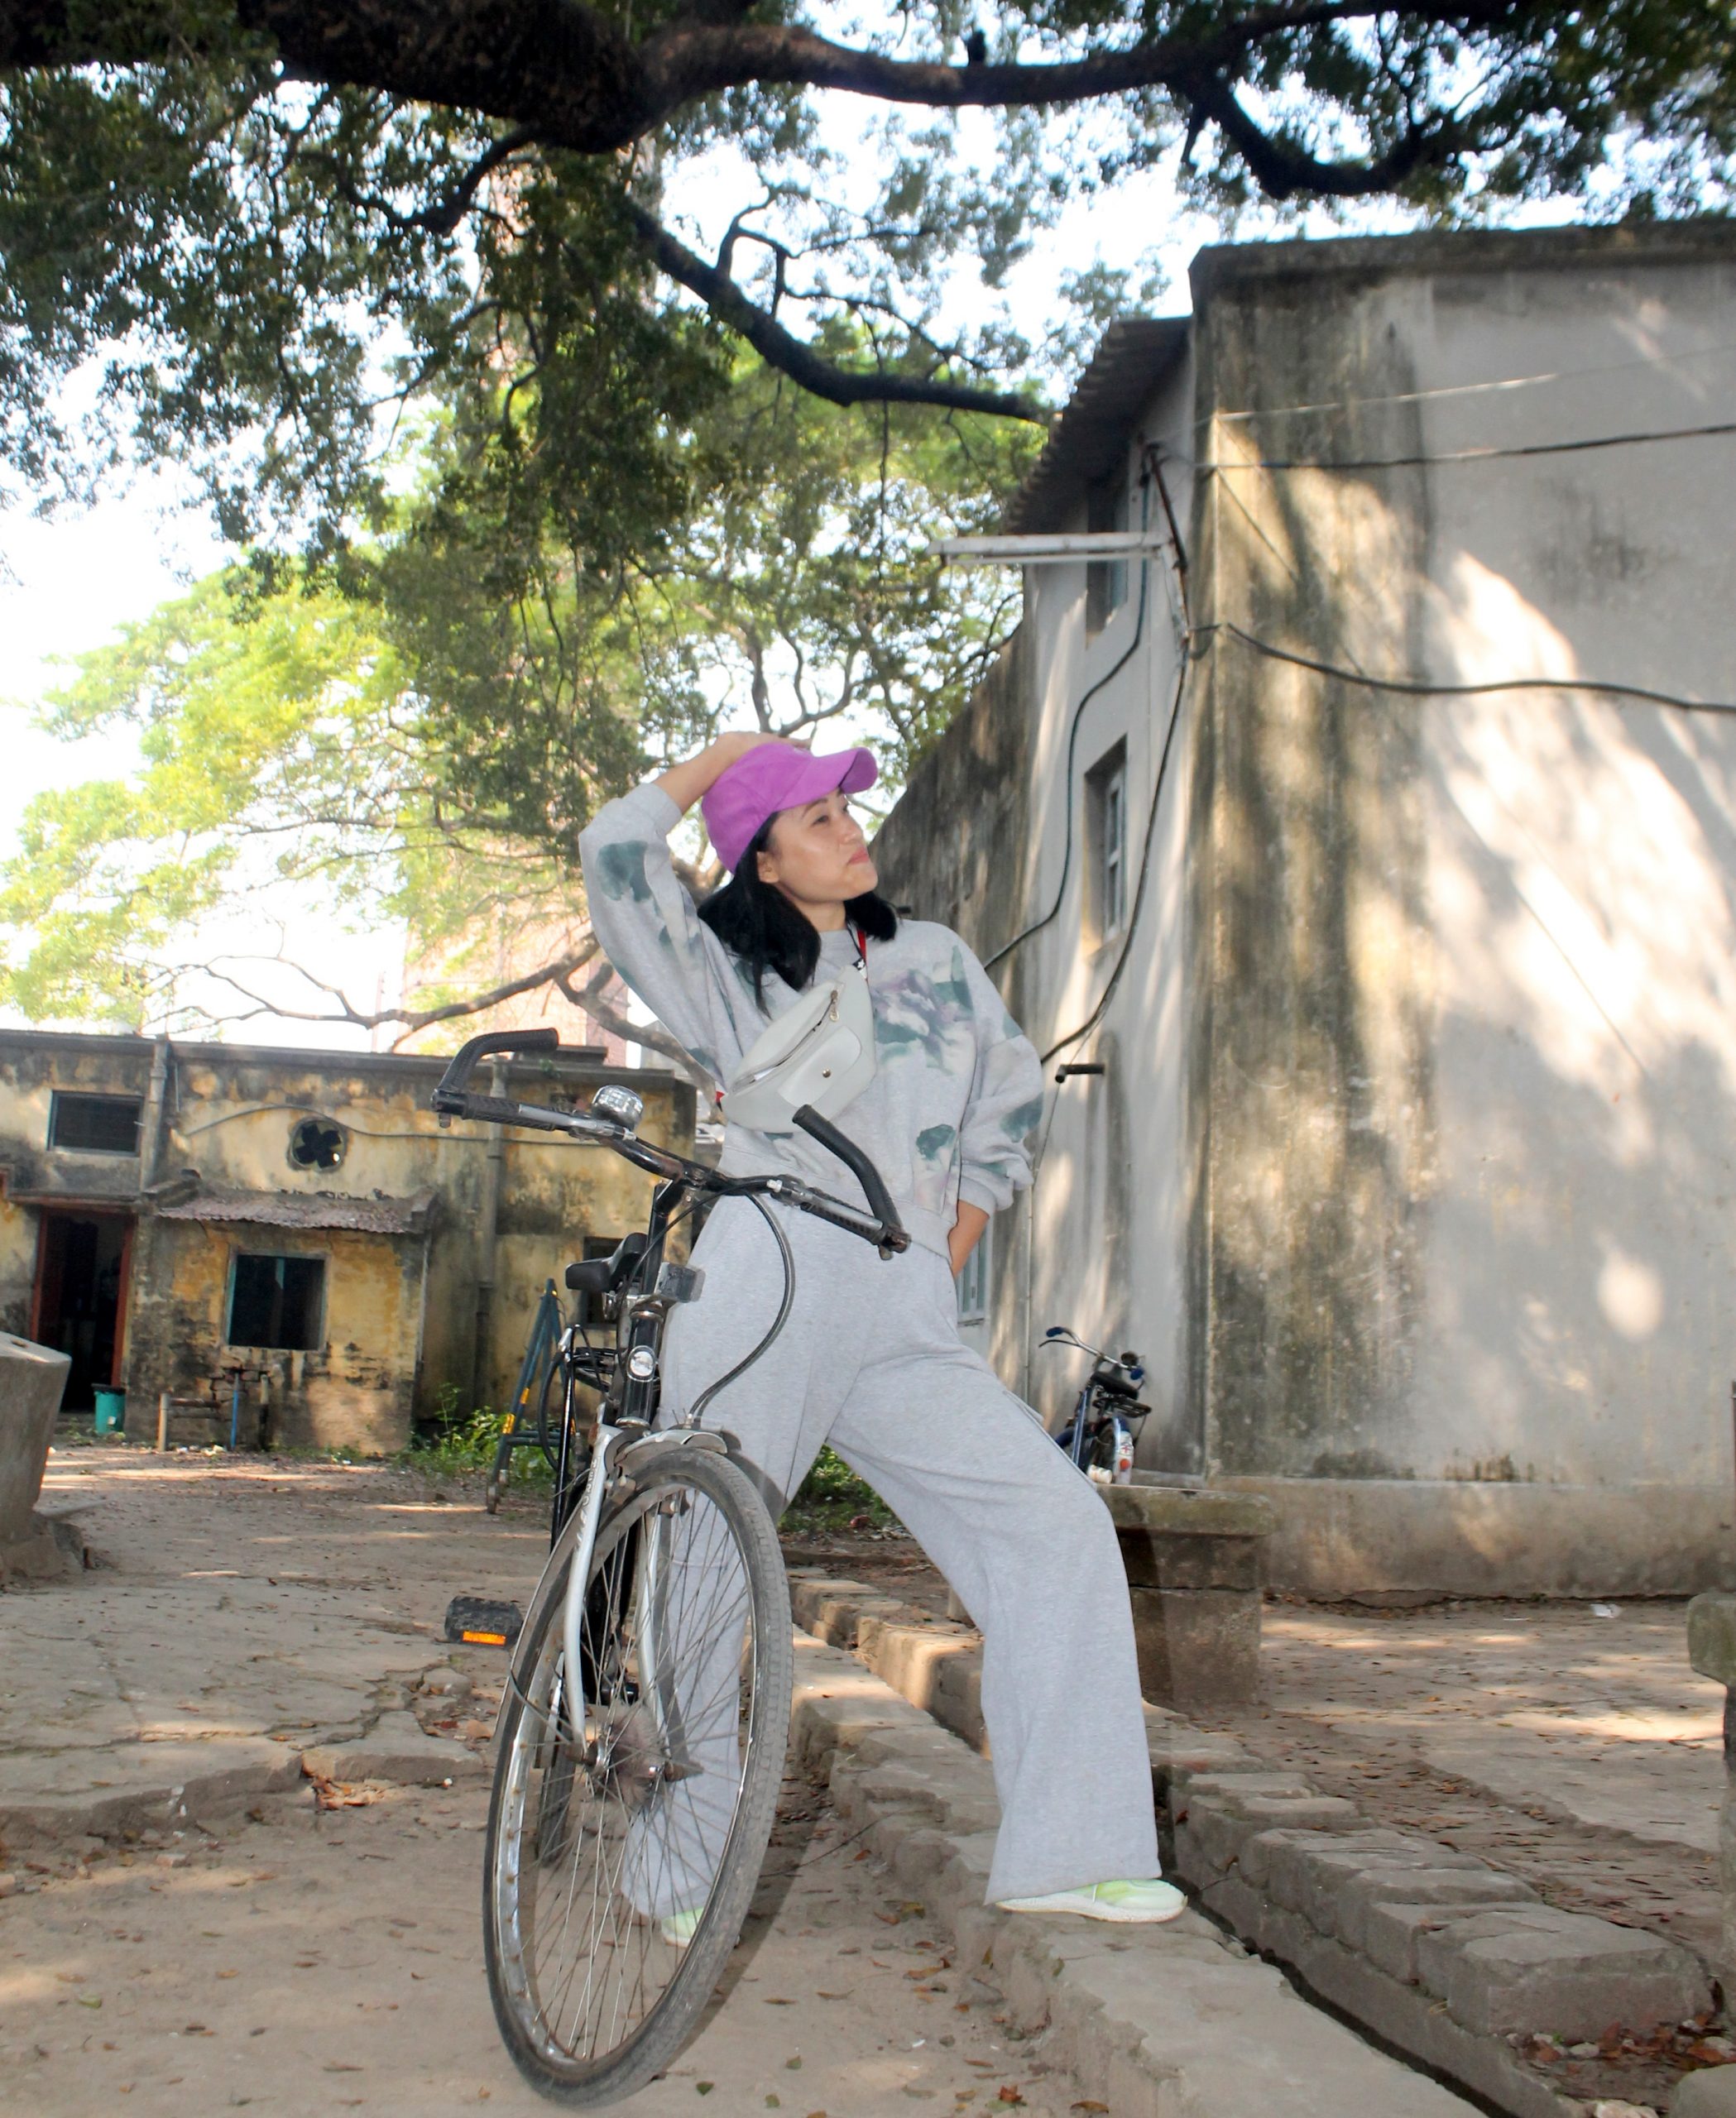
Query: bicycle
{"points": [[1107, 1412], [537, 1372], [642, 1732]]}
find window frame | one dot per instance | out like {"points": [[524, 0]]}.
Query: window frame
{"points": [[63, 1099], [1106, 508], [1105, 799], [316, 1339], [973, 1282]]}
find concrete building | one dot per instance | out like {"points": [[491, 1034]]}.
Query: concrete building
{"points": [[1372, 845], [171, 1213]]}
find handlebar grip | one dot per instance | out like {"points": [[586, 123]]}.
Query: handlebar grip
{"points": [[874, 1190], [889, 1236]]}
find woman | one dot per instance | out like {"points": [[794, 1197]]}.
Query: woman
{"points": [[870, 1359]]}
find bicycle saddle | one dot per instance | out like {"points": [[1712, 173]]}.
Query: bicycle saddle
{"points": [[605, 1275]]}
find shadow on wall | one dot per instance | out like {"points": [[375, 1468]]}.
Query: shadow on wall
{"points": [[1464, 1206]]}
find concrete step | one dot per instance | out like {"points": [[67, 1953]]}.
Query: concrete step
{"points": [[1155, 2022]]}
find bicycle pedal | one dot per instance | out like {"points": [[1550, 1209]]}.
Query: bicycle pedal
{"points": [[482, 1622]]}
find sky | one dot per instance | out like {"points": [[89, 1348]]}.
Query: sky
{"points": [[67, 583]]}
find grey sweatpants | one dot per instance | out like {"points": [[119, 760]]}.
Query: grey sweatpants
{"points": [[870, 1360]]}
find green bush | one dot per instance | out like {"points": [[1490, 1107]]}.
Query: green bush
{"points": [[832, 1495], [467, 1442]]}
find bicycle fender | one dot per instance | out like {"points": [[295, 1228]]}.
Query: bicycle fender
{"points": [[678, 1437]]}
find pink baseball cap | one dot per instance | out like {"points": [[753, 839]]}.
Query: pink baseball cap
{"points": [[771, 777]]}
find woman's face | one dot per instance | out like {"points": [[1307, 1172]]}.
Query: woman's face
{"points": [[816, 855]]}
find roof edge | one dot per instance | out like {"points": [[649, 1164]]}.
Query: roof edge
{"points": [[1222, 266]]}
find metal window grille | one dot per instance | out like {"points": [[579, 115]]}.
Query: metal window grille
{"points": [[1113, 896], [95, 1124], [276, 1302]]}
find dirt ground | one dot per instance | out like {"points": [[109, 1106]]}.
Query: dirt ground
{"points": [[312, 1961], [289, 1957]]}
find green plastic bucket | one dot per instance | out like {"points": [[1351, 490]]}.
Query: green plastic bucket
{"points": [[111, 1410]]}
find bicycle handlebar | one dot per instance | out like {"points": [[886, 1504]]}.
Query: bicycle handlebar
{"points": [[453, 1098]]}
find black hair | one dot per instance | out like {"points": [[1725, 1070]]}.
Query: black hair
{"points": [[759, 924]]}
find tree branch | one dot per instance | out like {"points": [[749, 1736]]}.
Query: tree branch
{"points": [[589, 1000], [442, 215], [783, 350]]}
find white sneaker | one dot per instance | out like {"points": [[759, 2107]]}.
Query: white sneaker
{"points": [[1142, 1903]]}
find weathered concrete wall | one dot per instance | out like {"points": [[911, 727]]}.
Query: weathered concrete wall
{"points": [[1312, 1063], [1410, 1165], [356, 1389], [1467, 1059], [960, 847]]}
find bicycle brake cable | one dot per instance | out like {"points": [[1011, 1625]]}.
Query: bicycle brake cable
{"points": [[778, 1322]]}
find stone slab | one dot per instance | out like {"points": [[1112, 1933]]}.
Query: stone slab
{"points": [[1606, 1792], [32, 1380], [92, 1794], [394, 1750], [1179, 1752], [1410, 2020], [1158, 1512], [1197, 1647], [1347, 1910], [1712, 1636], [1387, 1934], [1158, 2022], [1710, 2093], [1533, 1968]]}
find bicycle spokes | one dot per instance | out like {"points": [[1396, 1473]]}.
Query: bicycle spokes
{"points": [[624, 1818]]}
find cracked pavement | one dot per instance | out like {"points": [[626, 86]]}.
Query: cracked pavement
{"points": [[239, 1613]]}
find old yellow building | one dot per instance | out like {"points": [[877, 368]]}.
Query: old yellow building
{"points": [[175, 1214]]}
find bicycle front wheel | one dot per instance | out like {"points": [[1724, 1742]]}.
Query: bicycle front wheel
{"points": [[622, 1856]]}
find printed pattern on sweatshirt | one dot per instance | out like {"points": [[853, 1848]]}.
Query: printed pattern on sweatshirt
{"points": [[958, 1088]]}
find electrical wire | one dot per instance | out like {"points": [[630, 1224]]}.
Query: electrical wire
{"points": [[693, 1410], [1421, 688], [1095, 1016], [1470, 389], [1108, 677], [1488, 455]]}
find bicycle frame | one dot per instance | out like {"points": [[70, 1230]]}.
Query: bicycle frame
{"points": [[649, 1288]]}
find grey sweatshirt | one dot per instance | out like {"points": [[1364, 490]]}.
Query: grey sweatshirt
{"points": [[958, 1088]]}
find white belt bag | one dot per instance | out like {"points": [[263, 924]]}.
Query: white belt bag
{"points": [[820, 1052]]}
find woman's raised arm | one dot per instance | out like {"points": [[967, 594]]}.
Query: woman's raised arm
{"points": [[646, 922]]}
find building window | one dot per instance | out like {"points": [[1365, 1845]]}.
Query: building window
{"points": [[316, 1143], [1105, 802], [276, 1302], [1106, 580], [973, 1282], [95, 1124]]}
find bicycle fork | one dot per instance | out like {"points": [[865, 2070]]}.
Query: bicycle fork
{"points": [[612, 1474]]}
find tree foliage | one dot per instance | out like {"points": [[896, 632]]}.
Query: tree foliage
{"points": [[417, 733], [227, 201]]}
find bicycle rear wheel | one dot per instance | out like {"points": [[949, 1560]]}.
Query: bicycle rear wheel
{"points": [[665, 1805]]}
